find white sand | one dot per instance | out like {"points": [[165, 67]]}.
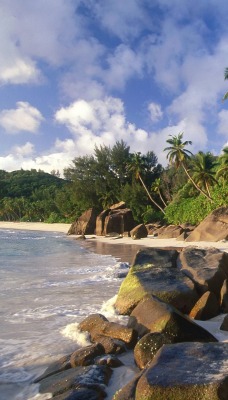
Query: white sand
{"points": [[150, 241]]}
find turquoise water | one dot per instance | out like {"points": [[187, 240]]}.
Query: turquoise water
{"points": [[48, 283]]}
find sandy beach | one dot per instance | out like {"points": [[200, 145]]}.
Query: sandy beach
{"points": [[123, 248]]}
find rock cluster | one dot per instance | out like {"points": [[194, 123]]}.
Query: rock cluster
{"points": [[163, 293], [118, 220]]}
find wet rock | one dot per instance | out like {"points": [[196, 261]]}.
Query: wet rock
{"points": [[155, 271], [109, 360], [154, 315], [58, 366], [97, 326], [207, 268], [111, 346], [86, 355], [128, 391], [224, 325], [80, 394], [224, 297], [186, 371], [148, 346], [206, 307], [90, 377], [92, 321]]}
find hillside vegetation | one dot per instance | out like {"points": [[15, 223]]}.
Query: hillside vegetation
{"points": [[185, 191]]}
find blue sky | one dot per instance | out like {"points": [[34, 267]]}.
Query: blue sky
{"points": [[80, 73]]}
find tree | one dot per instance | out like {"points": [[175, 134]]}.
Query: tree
{"points": [[222, 171], [137, 166], [225, 97], [178, 155], [204, 170], [156, 188]]}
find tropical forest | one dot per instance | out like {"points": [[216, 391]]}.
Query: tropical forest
{"points": [[185, 191]]}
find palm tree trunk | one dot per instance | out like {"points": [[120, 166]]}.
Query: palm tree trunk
{"points": [[197, 187], [163, 201], [148, 194]]}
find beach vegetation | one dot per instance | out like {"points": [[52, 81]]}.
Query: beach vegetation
{"points": [[185, 191]]}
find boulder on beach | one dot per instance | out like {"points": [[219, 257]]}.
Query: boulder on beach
{"points": [[85, 224], [155, 271], [154, 315], [139, 232], [186, 371], [117, 218], [213, 228]]}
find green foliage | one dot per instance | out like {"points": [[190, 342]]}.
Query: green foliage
{"points": [[152, 215], [194, 209]]}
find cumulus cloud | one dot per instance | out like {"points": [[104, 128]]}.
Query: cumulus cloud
{"points": [[25, 150], [223, 123], [155, 112], [23, 118]]}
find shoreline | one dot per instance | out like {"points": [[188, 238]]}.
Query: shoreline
{"points": [[123, 248]]}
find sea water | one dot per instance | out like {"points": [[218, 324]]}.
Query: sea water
{"points": [[48, 284]]}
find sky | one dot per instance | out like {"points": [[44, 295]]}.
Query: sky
{"points": [[80, 73]]}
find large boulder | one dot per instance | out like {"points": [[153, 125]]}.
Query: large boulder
{"points": [[139, 232], [207, 307], [154, 315], [155, 271], [98, 326], [90, 377], [170, 231], [85, 224], [117, 218], [207, 268], [213, 228], [119, 221], [186, 371]]}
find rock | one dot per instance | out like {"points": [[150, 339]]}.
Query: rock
{"points": [[110, 360], [147, 347], [118, 206], [224, 325], [97, 325], [111, 346], [85, 224], [224, 297], [186, 371], [170, 231], [182, 236], [128, 391], [100, 222], [119, 221], [58, 366], [154, 315], [80, 394], [91, 377], [86, 355], [139, 232], [155, 271], [207, 268], [213, 228], [92, 321], [117, 218], [206, 307]]}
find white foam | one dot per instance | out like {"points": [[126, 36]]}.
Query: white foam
{"points": [[72, 332]]}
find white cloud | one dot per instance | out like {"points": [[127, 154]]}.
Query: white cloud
{"points": [[25, 150], [155, 112], [24, 118], [223, 123]]}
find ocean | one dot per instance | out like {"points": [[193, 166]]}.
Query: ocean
{"points": [[48, 284]]}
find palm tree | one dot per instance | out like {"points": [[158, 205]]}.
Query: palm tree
{"points": [[203, 170], [156, 188], [178, 155], [225, 97], [137, 165], [222, 171]]}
